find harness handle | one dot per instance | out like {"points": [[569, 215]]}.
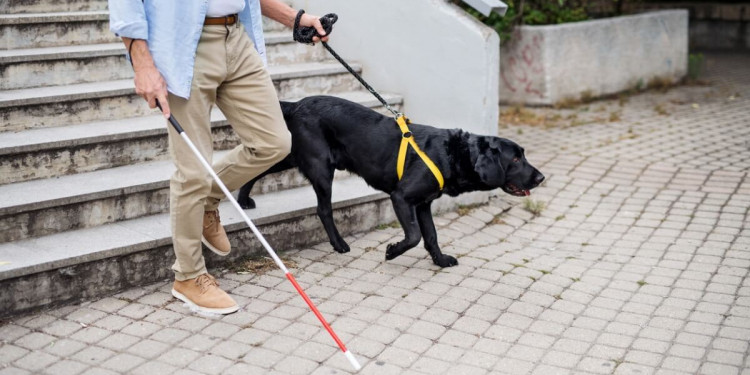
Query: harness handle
{"points": [[305, 34]]}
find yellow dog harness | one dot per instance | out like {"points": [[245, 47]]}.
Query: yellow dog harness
{"points": [[406, 140]]}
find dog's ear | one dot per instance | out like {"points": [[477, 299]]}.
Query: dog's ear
{"points": [[488, 166]]}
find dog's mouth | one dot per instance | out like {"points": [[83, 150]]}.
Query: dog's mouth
{"points": [[516, 191]]}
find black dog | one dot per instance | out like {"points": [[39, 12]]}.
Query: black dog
{"points": [[331, 133]]}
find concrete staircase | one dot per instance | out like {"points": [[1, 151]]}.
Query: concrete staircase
{"points": [[84, 167]]}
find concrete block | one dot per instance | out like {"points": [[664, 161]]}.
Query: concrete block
{"points": [[545, 65]]}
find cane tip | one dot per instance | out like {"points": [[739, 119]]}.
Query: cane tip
{"points": [[352, 360]]}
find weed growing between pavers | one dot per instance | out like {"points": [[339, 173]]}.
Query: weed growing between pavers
{"points": [[464, 210], [535, 207], [392, 224], [259, 265]]}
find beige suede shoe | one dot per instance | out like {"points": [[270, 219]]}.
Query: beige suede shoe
{"points": [[203, 293], [214, 236]]}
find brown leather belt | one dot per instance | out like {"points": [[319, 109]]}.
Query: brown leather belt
{"points": [[227, 20]]}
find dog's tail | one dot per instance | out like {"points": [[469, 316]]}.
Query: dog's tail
{"points": [[287, 107]]}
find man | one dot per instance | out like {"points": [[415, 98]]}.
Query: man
{"points": [[189, 55]]}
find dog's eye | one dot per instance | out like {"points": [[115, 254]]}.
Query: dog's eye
{"points": [[515, 160]]}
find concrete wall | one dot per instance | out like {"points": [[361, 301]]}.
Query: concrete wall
{"points": [[544, 65], [712, 34], [713, 25], [442, 61]]}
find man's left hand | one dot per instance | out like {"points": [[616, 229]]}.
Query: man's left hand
{"points": [[314, 21]]}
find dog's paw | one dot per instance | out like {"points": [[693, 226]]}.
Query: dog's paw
{"points": [[390, 253], [446, 261], [341, 248], [246, 204]]}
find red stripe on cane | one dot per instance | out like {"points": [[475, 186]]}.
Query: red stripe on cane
{"points": [[315, 311]]}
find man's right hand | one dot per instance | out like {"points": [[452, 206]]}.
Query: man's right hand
{"points": [[149, 84]]}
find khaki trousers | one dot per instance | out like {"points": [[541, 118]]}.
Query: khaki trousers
{"points": [[228, 72]]}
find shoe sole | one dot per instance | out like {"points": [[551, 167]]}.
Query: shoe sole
{"points": [[215, 250], [224, 311]]}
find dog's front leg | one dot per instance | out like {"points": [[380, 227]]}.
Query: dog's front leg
{"points": [[405, 213], [427, 226]]}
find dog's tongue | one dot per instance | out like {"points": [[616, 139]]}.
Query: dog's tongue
{"points": [[527, 193]]}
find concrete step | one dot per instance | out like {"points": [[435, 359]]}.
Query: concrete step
{"points": [[84, 264], [57, 151], [42, 6], [35, 30], [72, 104], [64, 28], [55, 66]]}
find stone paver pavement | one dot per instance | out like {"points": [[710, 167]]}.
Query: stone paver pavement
{"points": [[638, 264]]}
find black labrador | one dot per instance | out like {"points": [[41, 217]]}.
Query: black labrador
{"points": [[331, 133]]}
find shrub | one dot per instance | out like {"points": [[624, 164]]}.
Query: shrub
{"points": [[547, 12]]}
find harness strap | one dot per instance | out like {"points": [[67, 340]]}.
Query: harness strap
{"points": [[406, 140]]}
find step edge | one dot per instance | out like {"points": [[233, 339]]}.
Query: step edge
{"points": [[366, 196], [53, 17], [219, 121], [325, 69]]}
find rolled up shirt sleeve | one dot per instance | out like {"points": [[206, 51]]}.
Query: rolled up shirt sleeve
{"points": [[127, 18]]}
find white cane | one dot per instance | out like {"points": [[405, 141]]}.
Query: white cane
{"points": [[262, 240]]}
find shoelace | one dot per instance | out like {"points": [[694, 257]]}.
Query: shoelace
{"points": [[205, 281], [213, 218]]}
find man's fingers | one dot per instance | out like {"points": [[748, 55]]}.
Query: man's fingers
{"points": [[319, 27], [164, 105], [151, 102]]}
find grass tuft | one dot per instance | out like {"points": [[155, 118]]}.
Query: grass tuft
{"points": [[535, 207], [259, 265], [393, 224]]}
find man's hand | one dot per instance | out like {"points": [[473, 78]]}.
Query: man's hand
{"points": [[280, 12], [314, 21], [149, 84]]}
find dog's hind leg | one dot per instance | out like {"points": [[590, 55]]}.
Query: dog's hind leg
{"points": [[406, 215], [427, 226], [321, 181], [243, 197]]}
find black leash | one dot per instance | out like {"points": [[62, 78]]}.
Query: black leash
{"points": [[305, 35]]}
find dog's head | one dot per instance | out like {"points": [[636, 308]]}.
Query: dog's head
{"points": [[501, 163]]}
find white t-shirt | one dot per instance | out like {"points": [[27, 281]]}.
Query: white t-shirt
{"points": [[221, 8]]}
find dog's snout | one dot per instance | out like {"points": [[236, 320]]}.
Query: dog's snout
{"points": [[539, 178]]}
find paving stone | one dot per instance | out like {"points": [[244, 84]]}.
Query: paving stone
{"points": [[35, 340], [60, 348], [210, 364], [118, 341], [93, 355], [122, 362], [178, 356], [262, 357], [66, 367], [148, 349], [35, 361], [154, 367]]}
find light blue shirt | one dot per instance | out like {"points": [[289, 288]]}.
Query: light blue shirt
{"points": [[172, 29]]}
